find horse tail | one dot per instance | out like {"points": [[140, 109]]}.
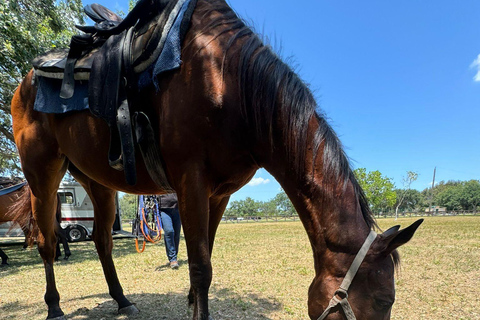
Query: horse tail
{"points": [[21, 212]]}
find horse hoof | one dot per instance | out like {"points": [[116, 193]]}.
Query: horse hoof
{"points": [[210, 317], [130, 310], [58, 318], [66, 257]]}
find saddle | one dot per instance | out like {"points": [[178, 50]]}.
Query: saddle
{"points": [[112, 55]]}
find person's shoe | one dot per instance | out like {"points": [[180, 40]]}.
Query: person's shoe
{"points": [[174, 265]]}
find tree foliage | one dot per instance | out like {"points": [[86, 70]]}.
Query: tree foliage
{"points": [[413, 201], [457, 195], [402, 193], [280, 205], [28, 28], [378, 189], [128, 206]]}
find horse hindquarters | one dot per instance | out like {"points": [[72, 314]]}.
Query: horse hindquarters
{"points": [[44, 167]]}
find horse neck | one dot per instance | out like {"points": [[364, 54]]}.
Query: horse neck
{"points": [[278, 112], [327, 202]]}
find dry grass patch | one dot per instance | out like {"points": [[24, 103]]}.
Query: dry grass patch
{"points": [[261, 271]]}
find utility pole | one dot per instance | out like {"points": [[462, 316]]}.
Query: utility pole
{"points": [[431, 193]]}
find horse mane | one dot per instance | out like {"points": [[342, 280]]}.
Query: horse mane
{"points": [[271, 92]]}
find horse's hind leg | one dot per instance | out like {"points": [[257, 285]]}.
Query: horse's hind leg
{"points": [[43, 205], [103, 200]]}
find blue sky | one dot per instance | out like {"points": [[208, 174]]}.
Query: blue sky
{"points": [[398, 80]]}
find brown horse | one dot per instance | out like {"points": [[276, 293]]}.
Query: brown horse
{"points": [[233, 107], [16, 207]]}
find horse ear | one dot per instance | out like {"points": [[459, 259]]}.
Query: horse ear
{"points": [[391, 231], [392, 239]]}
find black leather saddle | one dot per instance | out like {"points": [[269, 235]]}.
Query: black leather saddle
{"points": [[111, 55]]}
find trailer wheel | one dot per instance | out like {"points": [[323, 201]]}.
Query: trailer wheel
{"points": [[76, 233]]}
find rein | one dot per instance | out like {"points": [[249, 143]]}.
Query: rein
{"points": [[341, 295]]}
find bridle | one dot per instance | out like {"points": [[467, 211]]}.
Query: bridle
{"points": [[341, 295]]}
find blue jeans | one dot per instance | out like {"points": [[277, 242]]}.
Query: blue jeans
{"points": [[171, 231]]}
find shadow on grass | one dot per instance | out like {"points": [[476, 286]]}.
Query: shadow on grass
{"points": [[18, 258], [172, 306]]}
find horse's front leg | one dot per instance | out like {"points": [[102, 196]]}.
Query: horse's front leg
{"points": [[194, 211], [104, 216], [217, 207]]}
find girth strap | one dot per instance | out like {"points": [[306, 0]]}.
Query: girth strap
{"points": [[341, 295]]}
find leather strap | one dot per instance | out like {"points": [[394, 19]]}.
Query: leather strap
{"points": [[341, 295]]}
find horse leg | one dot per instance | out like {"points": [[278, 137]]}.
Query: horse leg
{"points": [[4, 257], [44, 165], [43, 204], [194, 211], [217, 208], [103, 200]]}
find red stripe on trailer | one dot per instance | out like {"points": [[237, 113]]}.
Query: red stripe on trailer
{"points": [[77, 219]]}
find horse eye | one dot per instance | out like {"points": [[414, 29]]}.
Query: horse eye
{"points": [[383, 304]]}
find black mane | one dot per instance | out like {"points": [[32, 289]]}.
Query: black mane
{"points": [[272, 92]]}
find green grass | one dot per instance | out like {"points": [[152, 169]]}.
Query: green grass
{"points": [[261, 271]]}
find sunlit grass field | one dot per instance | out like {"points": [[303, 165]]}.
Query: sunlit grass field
{"points": [[261, 271]]}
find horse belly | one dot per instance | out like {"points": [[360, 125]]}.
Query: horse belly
{"points": [[85, 141]]}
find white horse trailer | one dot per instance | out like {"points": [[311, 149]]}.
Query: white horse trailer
{"points": [[77, 214], [77, 211]]}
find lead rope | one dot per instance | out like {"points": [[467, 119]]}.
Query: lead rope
{"points": [[142, 225], [342, 291]]}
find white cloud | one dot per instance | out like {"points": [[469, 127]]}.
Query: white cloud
{"points": [[257, 181], [476, 65]]}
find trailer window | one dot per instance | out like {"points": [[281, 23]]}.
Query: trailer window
{"points": [[66, 197]]}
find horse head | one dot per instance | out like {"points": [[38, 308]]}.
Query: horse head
{"points": [[360, 286]]}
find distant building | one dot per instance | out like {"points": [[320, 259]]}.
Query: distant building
{"points": [[436, 210]]}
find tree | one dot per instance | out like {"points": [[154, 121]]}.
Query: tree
{"points": [[283, 205], [413, 200], [407, 182], [28, 28], [470, 197], [243, 208], [267, 208], [128, 206], [378, 189], [449, 197]]}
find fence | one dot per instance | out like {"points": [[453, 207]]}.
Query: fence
{"points": [[251, 219], [427, 214], [259, 219]]}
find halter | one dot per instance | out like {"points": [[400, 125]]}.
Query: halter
{"points": [[342, 291]]}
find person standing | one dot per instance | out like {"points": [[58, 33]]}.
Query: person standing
{"points": [[170, 216]]}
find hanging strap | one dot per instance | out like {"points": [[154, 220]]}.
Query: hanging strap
{"points": [[341, 295]]}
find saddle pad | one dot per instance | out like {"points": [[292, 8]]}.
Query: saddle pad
{"points": [[48, 96], [170, 56]]}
